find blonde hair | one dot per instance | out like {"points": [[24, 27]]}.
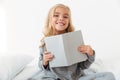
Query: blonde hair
{"points": [[48, 29]]}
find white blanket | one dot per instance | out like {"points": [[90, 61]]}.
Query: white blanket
{"points": [[100, 65]]}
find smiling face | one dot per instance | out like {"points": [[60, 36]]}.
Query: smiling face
{"points": [[60, 20]]}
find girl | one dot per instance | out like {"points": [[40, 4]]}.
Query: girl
{"points": [[59, 22]]}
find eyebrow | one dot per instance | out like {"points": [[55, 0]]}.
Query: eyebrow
{"points": [[64, 14]]}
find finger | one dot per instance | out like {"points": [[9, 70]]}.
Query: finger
{"points": [[49, 56], [89, 50], [82, 48], [46, 52]]}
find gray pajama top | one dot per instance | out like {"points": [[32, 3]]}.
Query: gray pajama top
{"points": [[73, 72]]}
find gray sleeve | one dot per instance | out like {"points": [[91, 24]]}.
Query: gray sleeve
{"points": [[86, 64], [41, 67]]}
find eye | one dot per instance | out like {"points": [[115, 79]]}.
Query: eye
{"points": [[55, 15], [65, 16]]}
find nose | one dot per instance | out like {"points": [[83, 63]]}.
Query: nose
{"points": [[61, 18]]}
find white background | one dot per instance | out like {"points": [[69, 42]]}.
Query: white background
{"points": [[21, 23]]}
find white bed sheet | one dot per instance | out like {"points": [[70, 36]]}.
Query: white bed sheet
{"points": [[112, 65], [106, 65]]}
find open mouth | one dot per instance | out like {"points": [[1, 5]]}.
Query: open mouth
{"points": [[60, 24]]}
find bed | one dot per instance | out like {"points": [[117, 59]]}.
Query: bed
{"points": [[21, 67]]}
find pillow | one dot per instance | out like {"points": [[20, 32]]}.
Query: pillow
{"points": [[10, 66], [30, 70]]}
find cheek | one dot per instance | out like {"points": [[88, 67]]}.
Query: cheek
{"points": [[67, 22], [53, 22]]}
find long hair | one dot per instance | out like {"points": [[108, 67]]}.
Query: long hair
{"points": [[48, 28]]}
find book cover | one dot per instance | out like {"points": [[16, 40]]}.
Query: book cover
{"points": [[64, 47]]}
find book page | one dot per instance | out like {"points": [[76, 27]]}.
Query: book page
{"points": [[55, 45], [71, 42]]}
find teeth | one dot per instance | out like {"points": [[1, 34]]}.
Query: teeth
{"points": [[61, 24]]}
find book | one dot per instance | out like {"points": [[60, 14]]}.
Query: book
{"points": [[64, 47]]}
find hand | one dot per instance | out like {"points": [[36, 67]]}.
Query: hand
{"points": [[47, 56], [86, 49]]}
